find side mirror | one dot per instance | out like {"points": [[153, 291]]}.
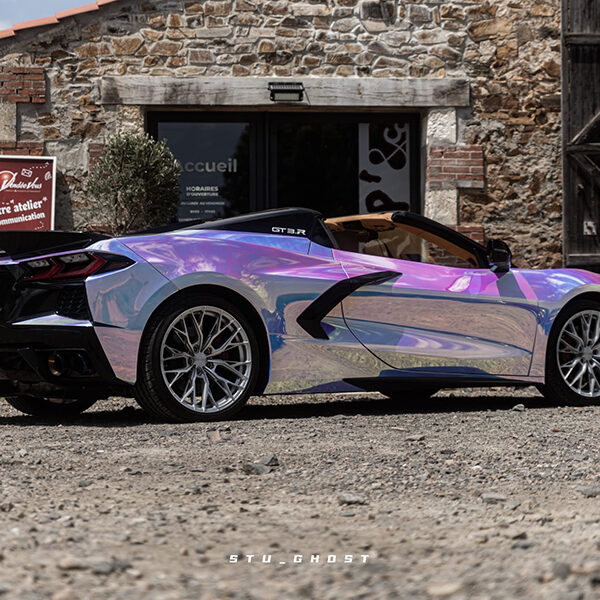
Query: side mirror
{"points": [[500, 256]]}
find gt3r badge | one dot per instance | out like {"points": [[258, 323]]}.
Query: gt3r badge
{"points": [[288, 230]]}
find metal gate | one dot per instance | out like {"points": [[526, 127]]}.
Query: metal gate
{"points": [[581, 131]]}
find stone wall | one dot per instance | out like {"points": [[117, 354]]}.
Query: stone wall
{"points": [[508, 49], [514, 63]]}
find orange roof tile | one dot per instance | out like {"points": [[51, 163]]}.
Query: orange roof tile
{"points": [[78, 10], [35, 23], [15, 29]]}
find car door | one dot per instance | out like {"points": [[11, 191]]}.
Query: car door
{"points": [[445, 312]]}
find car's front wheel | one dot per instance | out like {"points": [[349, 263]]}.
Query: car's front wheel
{"points": [[573, 355], [49, 408], [199, 361]]}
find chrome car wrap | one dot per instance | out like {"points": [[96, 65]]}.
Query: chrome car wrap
{"points": [[333, 319]]}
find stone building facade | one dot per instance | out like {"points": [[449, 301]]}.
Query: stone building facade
{"points": [[476, 83]]}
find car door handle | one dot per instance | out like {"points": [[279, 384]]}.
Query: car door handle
{"points": [[310, 318]]}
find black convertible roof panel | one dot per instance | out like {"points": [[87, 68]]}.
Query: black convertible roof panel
{"points": [[300, 222], [461, 240]]}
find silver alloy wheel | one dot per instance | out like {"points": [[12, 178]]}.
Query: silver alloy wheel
{"points": [[206, 359], [578, 353]]}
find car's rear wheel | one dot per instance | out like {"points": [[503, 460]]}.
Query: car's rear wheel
{"points": [[573, 355], [49, 407], [199, 361]]}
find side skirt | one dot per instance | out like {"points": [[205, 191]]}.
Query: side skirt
{"points": [[432, 382]]}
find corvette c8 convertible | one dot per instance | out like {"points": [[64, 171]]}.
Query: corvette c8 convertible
{"points": [[193, 319]]}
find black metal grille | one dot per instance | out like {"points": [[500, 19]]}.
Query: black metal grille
{"points": [[7, 300], [72, 302], [6, 280]]}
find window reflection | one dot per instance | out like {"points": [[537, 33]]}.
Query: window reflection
{"points": [[215, 161]]}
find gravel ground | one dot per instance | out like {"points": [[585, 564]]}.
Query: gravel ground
{"points": [[461, 497]]}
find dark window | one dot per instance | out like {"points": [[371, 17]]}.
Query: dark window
{"points": [[314, 165], [336, 163], [215, 159]]}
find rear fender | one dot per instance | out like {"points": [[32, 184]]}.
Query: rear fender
{"points": [[121, 303], [280, 279]]}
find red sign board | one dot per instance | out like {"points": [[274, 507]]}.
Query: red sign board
{"points": [[27, 193]]}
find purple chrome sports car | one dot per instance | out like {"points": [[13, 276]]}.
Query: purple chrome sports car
{"points": [[193, 319]]}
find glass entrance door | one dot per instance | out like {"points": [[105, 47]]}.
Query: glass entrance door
{"points": [[335, 163], [384, 165], [216, 166], [313, 163]]}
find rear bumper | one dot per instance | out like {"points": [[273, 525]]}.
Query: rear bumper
{"points": [[59, 360], [101, 317]]}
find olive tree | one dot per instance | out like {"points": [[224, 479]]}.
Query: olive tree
{"points": [[135, 183]]}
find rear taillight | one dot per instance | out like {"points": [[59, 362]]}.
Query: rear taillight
{"points": [[74, 266]]}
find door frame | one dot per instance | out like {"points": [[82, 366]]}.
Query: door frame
{"points": [[580, 40]]}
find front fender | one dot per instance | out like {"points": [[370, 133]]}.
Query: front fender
{"points": [[554, 289]]}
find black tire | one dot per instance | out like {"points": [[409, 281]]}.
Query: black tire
{"points": [[48, 407], [152, 393], [409, 395], [555, 389]]}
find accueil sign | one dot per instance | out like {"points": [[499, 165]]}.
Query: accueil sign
{"points": [[229, 166]]}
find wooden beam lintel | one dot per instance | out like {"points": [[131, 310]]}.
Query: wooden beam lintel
{"points": [[331, 92]]}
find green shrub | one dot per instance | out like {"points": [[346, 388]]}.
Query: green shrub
{"points": [[135, 183]]}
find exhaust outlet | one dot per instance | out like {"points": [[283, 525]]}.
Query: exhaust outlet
{"points": [[69, 363], [80, 364], [56, 364]]}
